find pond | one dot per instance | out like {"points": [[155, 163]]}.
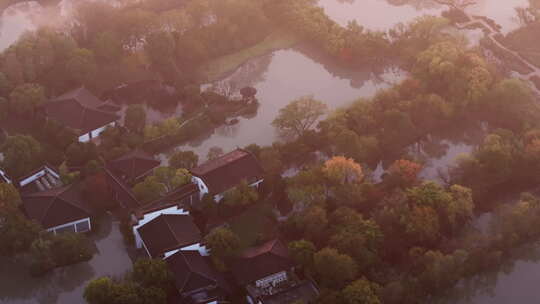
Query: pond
{"points": [[378, 14], [368, 12], [279, 78], [66, 285], [502, 11]]}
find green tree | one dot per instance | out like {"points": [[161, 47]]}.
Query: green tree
{"points": [[135, 118], [307, 188], [314, 222], [160, 47], [9, 196], [421, 224], [41, 257], [511, 104], [149, 190], [355, 236], [302, 252], [99, 291], [460, 210], [222, 243], [81, 67], [22, 154], [362, 291], [299, 116], [16, 232], [152, 273], [13, 68], [438, 271], [172, 178], [78, 154], [184, 160], [214, 152], [107, 47], [334, 268], [4, 108], [341, 170], [26, 98], [70, 248], [241, 195]]}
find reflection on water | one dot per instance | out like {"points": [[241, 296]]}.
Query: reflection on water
{"points": [[502, 11], [66, 285], [514, 281], [384, 14], [282, 77], [379, 14]]}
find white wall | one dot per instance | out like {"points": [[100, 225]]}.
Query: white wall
{"points": [[195, 247], [272, 279], [152, 215], [38, 175], [95, 133], [203, 189], [218, 197], [74, 223], [84, 138], [3, 174]]}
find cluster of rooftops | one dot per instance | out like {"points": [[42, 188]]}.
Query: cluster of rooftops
{"points": [[165, 228]]}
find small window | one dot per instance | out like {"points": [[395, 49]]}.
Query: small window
{"points": [[70, 228], [83, 226]]}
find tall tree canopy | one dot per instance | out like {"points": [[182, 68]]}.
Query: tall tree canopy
{"points": [[299, 116]]}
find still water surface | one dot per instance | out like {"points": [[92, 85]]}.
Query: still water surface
{"points": [[66, 285], [279, 78]]}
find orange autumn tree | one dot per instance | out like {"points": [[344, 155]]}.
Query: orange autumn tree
{"points": [[405, 170], [341, 170]]}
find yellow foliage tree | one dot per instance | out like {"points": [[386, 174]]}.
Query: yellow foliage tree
{"points": [[343, 170]]}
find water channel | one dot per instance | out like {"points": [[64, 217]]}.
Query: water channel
{"points": [[280, 77]]}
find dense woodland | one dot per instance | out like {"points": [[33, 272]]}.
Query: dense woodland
{"points": [[400, 240]]}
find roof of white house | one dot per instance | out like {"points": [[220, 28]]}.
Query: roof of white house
{"points": [[43, 178], [78, 110], [57, 206], [227, 171], [169, 232]]}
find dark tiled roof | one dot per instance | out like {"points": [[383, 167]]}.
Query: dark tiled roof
{"points": [[259, 262], [229, 170], [82, 96], [133, 165], [306, 292], [168, 232], [124, 193], [56, 206], [172, 199], [78, 110], [193, 271]]}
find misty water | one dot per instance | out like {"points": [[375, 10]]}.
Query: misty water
{"points": [[66, 285], [279, 77], [282, 76]]}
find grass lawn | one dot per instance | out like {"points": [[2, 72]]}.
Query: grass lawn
{"points": [[215, 69], [253, 223]]}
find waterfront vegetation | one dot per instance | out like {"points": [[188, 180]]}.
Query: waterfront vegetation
{"points": [[398, 240]]}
